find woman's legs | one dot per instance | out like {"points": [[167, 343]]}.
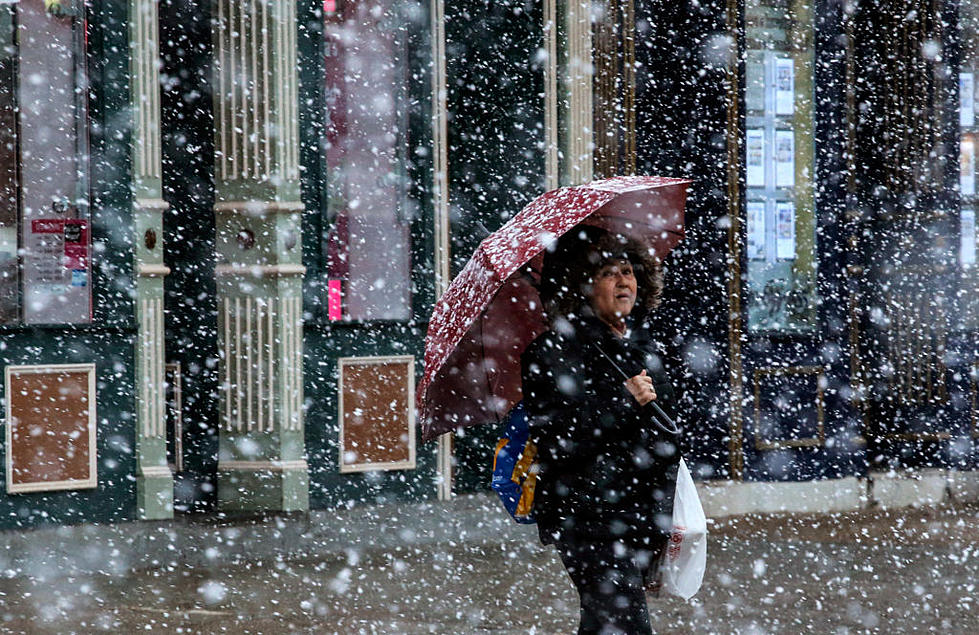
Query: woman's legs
{"points": [[610, 585]]}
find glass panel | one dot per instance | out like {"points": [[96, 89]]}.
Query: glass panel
{"points": [[781, 215], [44, 217], [969, 135], [369, 244]]}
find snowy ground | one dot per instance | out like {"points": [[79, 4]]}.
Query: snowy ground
{"points": [[887, 572]]}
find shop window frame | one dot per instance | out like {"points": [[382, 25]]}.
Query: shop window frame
{"points": [[86, 39]]}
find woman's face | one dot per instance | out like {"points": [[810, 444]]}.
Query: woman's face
{"points": [[613, 291]]}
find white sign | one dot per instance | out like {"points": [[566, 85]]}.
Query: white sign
{"points": [[756, 230], [785, 231], [967, 167], [967, 100], [784, 158], [967, 222], [784, 86], [756, 157], [57, 271]]}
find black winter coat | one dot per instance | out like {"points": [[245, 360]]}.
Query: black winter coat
{"points": [[607, 471]]}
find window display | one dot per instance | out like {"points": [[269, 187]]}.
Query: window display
{"points": [[368, 249], [779, 166], [45, 238], [968, 298]]}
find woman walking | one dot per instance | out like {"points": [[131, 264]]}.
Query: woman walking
{"points": [[604, 493]]}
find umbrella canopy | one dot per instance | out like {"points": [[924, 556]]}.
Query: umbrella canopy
{"points": [[492, 310]]}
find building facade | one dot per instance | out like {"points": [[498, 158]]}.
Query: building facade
{"points": [[224, 225]]}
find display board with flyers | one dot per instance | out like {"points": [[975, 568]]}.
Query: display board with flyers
{"points": [[967, 304], [779, 166]]}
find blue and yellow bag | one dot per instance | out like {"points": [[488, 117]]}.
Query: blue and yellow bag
{"points": [[515, 467]]}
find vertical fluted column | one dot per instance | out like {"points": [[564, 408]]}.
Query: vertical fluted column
{"points": [[154, 479], [578, 137], [261, 461]]}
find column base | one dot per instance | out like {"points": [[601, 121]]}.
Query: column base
{"points": [[263, 486], [154, 493]]}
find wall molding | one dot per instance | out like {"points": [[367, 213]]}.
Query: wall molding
{"points": [[145, 270], [259, 207], [259, 271]]}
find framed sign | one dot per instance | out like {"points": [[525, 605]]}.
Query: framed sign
{"points": [[50, 431], [377, 414]]}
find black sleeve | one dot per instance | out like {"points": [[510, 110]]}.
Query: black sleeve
{"points": [[559, 410]]}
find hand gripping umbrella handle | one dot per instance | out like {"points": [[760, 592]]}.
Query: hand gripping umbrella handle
{"points": [[661, 419]]}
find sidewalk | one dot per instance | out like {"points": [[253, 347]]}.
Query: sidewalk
{"points": [[464, 567], [212, 540]]}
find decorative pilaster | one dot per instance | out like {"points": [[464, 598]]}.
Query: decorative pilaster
{"points": [[577, 120], [261, 460], [154, 481]]}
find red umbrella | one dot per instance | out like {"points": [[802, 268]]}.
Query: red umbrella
{"points": [[492, 311]]}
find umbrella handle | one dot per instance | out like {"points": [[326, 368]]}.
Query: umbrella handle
{"points": [[662, 416]]}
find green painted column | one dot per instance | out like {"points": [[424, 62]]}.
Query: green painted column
{"points": [[154, 481], [261, 456]]}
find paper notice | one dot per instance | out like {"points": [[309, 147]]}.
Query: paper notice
{"points": [[967, 167], [756, 230], [785, 231], [755, 150], [784, 86], [967, 100], [967, 223], [784, 158]]}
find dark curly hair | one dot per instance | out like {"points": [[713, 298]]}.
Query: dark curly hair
{"points": [[578, 255]]}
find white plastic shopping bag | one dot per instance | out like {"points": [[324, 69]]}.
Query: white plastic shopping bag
{"points": [[684, 560]]}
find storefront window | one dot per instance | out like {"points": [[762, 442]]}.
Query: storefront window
{"points": [[369, 245], [45, 263], [781, 215], [968, 138]]}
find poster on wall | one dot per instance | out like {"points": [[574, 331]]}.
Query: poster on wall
{"points": [[968, 248], [57, 273], [784, 86], [967, 167], [756, 157], [784, 158], [785, 230], [756, 230], [967, 100]]}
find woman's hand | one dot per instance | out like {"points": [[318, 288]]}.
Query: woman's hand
{"points": [[641, 387]]}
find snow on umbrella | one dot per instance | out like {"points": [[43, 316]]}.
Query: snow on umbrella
{"points": [[492, 311]]}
